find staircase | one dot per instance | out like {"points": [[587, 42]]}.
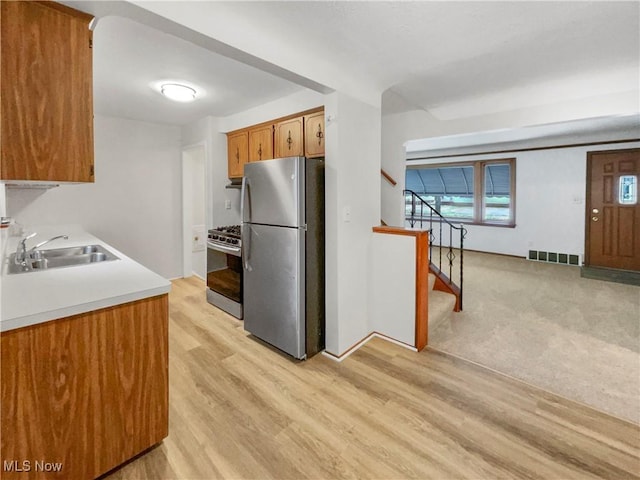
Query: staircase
{"points": [[441, 304], [446, 249]]}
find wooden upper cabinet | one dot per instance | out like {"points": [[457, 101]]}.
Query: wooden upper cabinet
{"points": [[47, 93], [314, 135], [237, 152], [261, 143], [288, 138], [300, 134]]}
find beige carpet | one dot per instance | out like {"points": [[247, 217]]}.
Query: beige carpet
{"points": [[546, 325]]}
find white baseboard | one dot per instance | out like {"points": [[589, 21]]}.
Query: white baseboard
{"points": [[340, 358]]}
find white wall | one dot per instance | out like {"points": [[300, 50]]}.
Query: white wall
{"points": [[399, 128], [392, 292], [296, 102], [3, 201], [207, 131], [135, 202], [352, 171], [550, 202], [194, 211]]}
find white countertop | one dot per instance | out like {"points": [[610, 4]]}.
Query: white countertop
{"points": [[36, 297]]}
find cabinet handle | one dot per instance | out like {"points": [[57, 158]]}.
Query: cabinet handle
{"points": [[259, 151], [319, 134], [289, 140], [238, 154]]}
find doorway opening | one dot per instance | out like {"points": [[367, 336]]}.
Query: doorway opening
{"points": [[194, 230], [612, 234]]}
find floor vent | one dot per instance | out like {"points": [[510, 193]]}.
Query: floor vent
{"points": [[554, 257]]}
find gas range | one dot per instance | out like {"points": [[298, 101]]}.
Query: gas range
{"points": [[224, 269], [227, 236]]}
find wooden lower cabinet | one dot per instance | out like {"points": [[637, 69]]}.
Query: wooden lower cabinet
{"points": [[83, 394]]}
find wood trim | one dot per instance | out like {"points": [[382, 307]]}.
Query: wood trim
{"points": [[531, 149], [422, 290], [398, 231], [586, 260], [422, 280], [388, 177]]}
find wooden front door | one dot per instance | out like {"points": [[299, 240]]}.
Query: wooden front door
{"points": [[613, 211]]}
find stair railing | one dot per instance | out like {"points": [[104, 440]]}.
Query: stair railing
{"points": [[422, 213]]}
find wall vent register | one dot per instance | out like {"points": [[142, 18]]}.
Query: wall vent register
{"points": [[554, 257]]}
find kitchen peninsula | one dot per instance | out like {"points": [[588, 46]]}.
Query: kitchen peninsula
{"points": [[84, 363]]}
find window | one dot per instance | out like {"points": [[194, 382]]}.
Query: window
{"points": [[481, 192], [627, 194]]}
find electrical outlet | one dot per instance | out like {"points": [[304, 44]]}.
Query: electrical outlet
{"points": [[227, 204]]}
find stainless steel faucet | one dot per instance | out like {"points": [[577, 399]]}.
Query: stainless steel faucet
{"points": [[47, 241], [21, 252]]}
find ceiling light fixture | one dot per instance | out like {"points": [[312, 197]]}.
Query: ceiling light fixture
{"points": [[177, 92]]}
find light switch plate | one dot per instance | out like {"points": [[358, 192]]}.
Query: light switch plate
{"points": [[346, 214]]}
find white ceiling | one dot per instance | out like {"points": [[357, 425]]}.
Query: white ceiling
{"points": [[453, 59], [131, 59]]}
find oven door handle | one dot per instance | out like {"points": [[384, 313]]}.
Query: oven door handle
{"points": [[223, 248], [245, 233]]}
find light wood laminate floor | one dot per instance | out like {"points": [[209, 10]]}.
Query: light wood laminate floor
{"points": [[239, 409]]}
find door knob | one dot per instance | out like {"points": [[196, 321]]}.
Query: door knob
{"points": [[595, 219], [595, 210]]}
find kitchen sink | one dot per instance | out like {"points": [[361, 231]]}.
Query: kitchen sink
{"points": [[38, 260]]}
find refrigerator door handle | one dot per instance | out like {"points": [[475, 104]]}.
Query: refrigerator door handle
{"points": [[245, 202], [245, 234]]}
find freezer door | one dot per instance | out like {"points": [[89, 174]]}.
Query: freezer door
{"points": [[273, 192], [274, 286]]}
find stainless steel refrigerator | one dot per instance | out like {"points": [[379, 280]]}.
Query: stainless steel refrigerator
{"points": [[283, 253]]}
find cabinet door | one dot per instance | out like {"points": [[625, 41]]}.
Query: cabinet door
{"points": [[261, 143], [89, 391], [314, 135], [289, 138], [47, 93], [237, 153]]}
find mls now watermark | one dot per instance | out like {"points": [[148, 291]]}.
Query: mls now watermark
{"points": [[28, 466]]}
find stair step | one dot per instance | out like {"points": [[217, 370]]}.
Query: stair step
{"points": [[441, 306], [432, 281]]}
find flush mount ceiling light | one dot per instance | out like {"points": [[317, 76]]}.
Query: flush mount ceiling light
{"points": [[177, 92]]}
